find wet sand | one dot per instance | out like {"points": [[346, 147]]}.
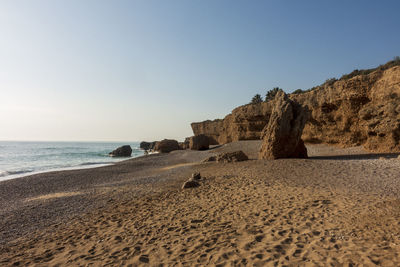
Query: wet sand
{"points": [[340, 207]]}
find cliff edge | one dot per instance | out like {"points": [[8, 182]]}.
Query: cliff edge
{"points": [[361, 110]]}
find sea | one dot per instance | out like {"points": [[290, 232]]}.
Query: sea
{"points": [[18, 159]]}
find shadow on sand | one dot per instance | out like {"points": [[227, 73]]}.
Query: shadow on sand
{"points": [[358, 156], [212, 147]]}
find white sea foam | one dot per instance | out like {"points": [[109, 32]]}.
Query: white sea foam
{"points": [[19, 159]]}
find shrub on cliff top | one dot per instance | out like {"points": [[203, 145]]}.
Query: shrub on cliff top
{"points": [[271, 93], [388, 65], [298, 91], [330, 81], [256, 99]]}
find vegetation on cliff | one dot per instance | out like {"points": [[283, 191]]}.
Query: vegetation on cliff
{"points": [[388, 65], [272, 93], [356, 72], [363, 110], [256, 99]]}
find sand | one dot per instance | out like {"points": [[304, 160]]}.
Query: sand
{"points": [[340, 207]]}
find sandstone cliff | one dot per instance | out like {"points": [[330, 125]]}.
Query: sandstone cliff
{"points": [[363, 110], [244, 123]]}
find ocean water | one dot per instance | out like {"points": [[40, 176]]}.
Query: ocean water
{"points": [[19, 159]]}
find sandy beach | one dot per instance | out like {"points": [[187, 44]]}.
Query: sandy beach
{"points": [[339, 207]]}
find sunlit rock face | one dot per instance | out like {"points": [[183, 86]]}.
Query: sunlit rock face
{"points": [[363, 110], [282, 135]]}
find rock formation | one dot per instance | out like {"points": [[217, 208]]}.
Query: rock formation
{"points": [[227, 157], [363, 110], [196, 176], [190, 184], [193, 181], [185, 144], [147, 145], [244, 123], [232, 157], [282, 135], [182, 145], [166, 146], [199, 142], [123, 151]]}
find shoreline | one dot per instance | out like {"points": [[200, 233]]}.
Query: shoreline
{"points": [[68, 193], [85, 165], [78, 167], [20, 159], [339, 206]]}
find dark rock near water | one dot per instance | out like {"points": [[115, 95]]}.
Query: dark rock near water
{"points": [[166, 146], [147, 145], [123, 151]]}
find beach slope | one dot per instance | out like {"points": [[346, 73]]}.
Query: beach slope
{"points": [[340, 207]]}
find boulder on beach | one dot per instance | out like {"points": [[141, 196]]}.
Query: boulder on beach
{"points": [[166, 146], [210, 159], [199, 142], [282, 135], [185, 144], [193, 181], [232, 157], [181, 145], [228, 157], [147, 145], [196, 176], [190, 184], [123, 151]]}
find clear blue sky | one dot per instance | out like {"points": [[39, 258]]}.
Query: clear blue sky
{"points": [[144, 70]]}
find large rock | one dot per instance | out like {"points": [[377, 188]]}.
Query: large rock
{"points": [[282, 135], [199, 142], [232, 156], [185, 144], [228, 157], [363, 110], [166, 146], [147, 145], [190, 184], [123, 151], [244, 123]]}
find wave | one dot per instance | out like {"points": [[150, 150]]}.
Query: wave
{"points": [[102, 154], [62, 148], [95, 163], [74, 154], [7, 173], [26, 160]]}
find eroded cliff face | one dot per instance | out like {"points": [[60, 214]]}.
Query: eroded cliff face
{"points": [[363, 110], [244, 123]]}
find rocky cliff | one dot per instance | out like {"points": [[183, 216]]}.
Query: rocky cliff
{"points": [[363, 110], [244, 123]]}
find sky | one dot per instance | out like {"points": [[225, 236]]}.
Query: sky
{"points": [[92, 70]]}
